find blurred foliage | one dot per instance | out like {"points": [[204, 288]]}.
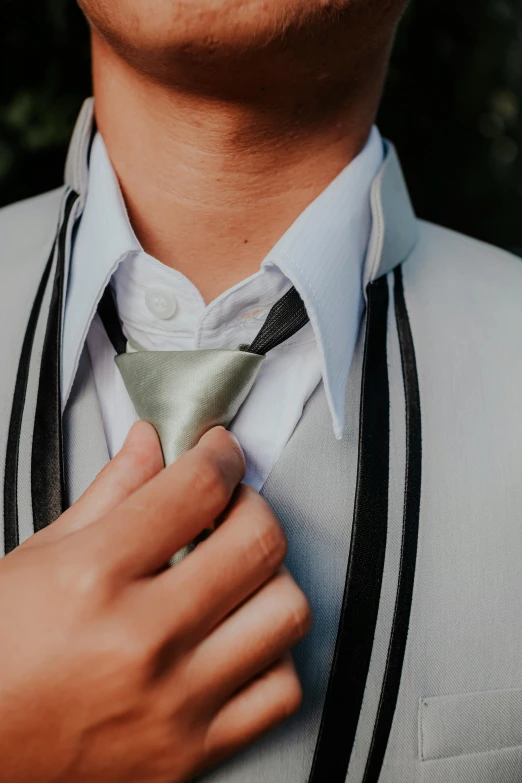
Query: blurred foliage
{"points": [[452, 106], [44, 76]]}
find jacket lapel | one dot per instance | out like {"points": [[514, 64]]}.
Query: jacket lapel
{"points": [[312, 490], [85, 446], [28, 240]]}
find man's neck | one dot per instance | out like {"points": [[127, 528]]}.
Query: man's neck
{"points": [[211, 185]]}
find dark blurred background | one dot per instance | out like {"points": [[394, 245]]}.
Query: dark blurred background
{"points": [[452, 106]]}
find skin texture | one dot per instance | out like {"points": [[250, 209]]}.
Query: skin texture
{"points": [[200, 45], [214, 111], [114, 668]]}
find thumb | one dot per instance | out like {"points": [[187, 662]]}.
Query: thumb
{"points": [[139, 460]]}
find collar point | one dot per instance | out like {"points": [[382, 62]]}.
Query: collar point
{"points": [[338, 426]]}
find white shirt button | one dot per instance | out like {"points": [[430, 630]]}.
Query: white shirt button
{"points": [[161, 302]]}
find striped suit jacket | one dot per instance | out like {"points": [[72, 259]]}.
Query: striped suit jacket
{"points": [[406, 535]]}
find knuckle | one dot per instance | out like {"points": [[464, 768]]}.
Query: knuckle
{"points": [[128, 651], [131, 459], [91, 587], [107, 468], [106, 473], [135, 651], [84, 580], [299, 614], [270, 541], [132, 465], [291, 695], [208, 481], [144, 457]]}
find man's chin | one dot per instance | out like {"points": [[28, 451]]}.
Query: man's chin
{"points": [[206, 30], [233, 49]]}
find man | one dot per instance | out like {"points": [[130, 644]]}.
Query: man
{"points": [[235, 245]]}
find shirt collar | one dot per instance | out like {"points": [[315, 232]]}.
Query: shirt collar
{"points": [[322, 254], [104, 239]]}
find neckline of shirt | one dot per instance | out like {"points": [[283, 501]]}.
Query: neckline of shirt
{"points": [[230, 320], [322, 254]]}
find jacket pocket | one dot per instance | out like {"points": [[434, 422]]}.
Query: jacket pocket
{"points": [[469, 723]]}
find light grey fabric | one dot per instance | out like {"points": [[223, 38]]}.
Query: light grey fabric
{"points": [[85, 447], [465, 305], [27, 233], [395, 229], [465, 638], [76, 165], [501, 766], [469, 723], [317, 518], [391, 565], [24, 461]]}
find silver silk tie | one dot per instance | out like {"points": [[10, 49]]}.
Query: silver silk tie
{"points": [[183, 394]]}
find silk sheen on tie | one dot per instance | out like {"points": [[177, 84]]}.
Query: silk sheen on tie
{"points": [[183, 394]]}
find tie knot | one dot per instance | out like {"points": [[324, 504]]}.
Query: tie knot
{"points": [[185, 393]]}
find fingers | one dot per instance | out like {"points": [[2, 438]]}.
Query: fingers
{"points": [[245, 552], [259, 633], [168, 512], [260, 706], [139, 460]]}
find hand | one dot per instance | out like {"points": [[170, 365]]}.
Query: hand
{"points": [[114, 668]]}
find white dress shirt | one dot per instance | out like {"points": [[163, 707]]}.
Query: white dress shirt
{"points": [[322, 254]]}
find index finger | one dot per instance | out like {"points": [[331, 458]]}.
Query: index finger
{"points": [[136, 463], [140, 535]]}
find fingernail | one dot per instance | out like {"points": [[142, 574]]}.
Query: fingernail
{"points": [[234, 453], [233, 437], [240, 451], [131, 433]]}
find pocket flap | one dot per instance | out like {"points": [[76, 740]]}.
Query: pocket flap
{"points": [[469, 723]]}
